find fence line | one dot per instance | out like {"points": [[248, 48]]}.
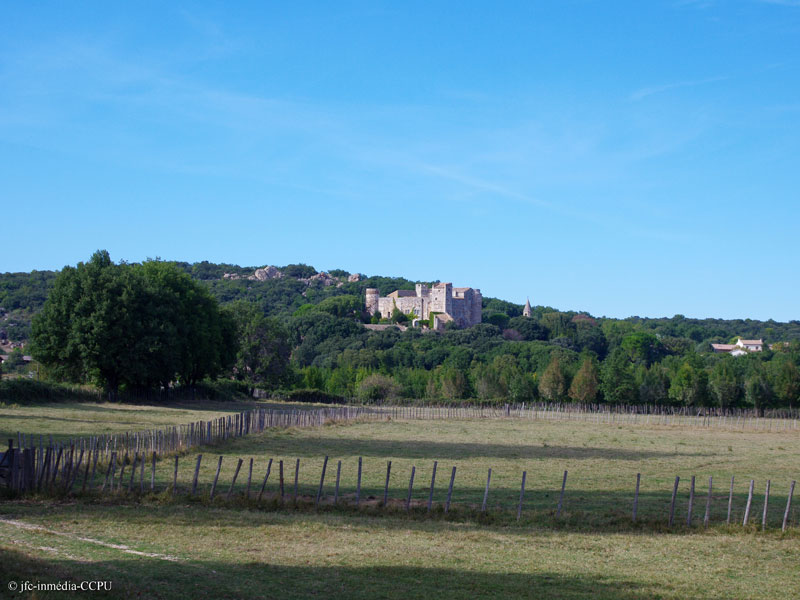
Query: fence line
{"points": [[33, 457], [64, 478]]}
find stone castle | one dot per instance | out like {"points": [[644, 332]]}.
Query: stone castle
{"points": [[442, 300]]}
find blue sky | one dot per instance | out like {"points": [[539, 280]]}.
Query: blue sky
{"points": [[623, 158]]}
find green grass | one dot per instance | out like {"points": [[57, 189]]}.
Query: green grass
{"points": [[73, 419], [602, 462], [241, 549], [225, 553]]}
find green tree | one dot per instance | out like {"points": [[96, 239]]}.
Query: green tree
{"points": [[724, 382], [757, 391], [139, 326], [689, 386], [785, 380], [616, 381], [586, 383], [263, 351], [553, 383]]}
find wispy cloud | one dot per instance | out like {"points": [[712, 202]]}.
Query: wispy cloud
{"points": [[657, 89], [795, 3]]}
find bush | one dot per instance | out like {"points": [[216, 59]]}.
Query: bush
{"points": [[377, 388]]}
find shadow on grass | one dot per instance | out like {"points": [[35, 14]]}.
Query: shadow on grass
{"points": [[598, 513], [135, 578], [315, 446]]}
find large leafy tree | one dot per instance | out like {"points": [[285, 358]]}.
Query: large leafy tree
{"points": [[263, 354], [139, 326]]}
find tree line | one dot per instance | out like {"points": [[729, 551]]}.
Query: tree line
{"points": [[159, 324]]}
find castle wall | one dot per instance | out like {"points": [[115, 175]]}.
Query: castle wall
{"points": [[462, 305]]}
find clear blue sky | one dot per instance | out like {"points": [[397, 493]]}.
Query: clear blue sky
{"points": [[623, 158]]}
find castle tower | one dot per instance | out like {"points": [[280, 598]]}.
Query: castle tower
{"points": [[526, 312], [372, 300]]}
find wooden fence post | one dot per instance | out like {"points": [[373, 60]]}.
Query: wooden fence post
{"points": [[249, 479], [672, 504], [691, 504], [86, 471], [338, 476], [358, 483], [141, 473], [296, 474], [235, 475], [321, 481], [521, 495], [707, 517], [280, 478], [766, 503], [196, 474], [730, 502], [749, 503], [153, 473], [433, 481], [386, 486], [175, 476], [486, 491], [450, 490], [788, 507], [561, 497], [216, 477], [264, 484], [410, 488], [636, 497]]}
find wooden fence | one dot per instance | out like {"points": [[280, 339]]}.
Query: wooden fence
{"points": [[136, 475]]}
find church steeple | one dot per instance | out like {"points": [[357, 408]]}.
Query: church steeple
{"points": [[526, 312]]}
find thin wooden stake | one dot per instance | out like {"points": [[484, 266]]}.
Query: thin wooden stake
{"points": [[410, 488], [196, 474], [358, 483], [707, 517], [264, 484], [249, 479], [691, 504], [561, 497], [338, 476], [766, 503], [486, 491], [433, 482], [141, 473], [636, 497], [521, 495], [749, 503], [386, 486], [175, 476], [788, 507], [450, 491], [321, 481], [280, 477], [216, 478], [235, 475], [730, 502], [672, 504], [296, 474]]}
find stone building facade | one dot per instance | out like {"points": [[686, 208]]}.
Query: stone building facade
{"points": [[446, 303]]}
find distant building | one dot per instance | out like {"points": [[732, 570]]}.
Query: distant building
{"points": [[442, 301], [740, 348], [526, 312]]}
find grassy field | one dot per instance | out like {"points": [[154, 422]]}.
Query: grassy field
{"points": [[63, 420], [238, 549]]}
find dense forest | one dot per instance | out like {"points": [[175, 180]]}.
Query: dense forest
{"points": [[301, 332]]}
